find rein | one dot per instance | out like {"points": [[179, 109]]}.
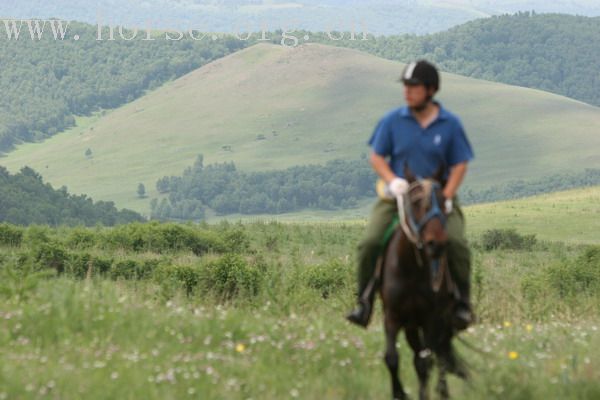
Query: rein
{"points": [[411, 227]]}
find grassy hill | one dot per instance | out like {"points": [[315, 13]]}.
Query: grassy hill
{"points": [[311, 104], [524, 49], [569, 216]]}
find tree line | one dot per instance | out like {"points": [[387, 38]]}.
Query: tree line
{"points": [[222, 187], [523, 188], [339, 184], [26, 200]]}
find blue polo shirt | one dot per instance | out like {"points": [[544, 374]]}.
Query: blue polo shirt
{"points": [[399, 136]]}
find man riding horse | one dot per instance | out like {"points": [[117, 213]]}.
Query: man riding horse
{"points": [[421, 135]]}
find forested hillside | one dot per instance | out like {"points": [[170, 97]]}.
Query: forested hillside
{"points": [[25, 200], [45, 82], [553, 52]]}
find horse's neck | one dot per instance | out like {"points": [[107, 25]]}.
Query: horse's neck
{"points": [[411, 260]]}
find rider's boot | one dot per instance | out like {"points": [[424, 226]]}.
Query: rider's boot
{"points": [[463, 315], [361, 315]]}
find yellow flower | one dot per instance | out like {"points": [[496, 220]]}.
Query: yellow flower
{"points": [[513, 355], [528, 327], [240, 348], [507, 324]]}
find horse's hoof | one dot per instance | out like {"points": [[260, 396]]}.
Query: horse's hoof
{"points": [[402, 396]]}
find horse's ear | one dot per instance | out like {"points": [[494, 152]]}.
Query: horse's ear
{"points": [[410, 177], [439, 174]]}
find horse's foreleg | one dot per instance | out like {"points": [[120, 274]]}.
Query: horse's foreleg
{"points": [[422, 360], [392, 359], [442, 385]]}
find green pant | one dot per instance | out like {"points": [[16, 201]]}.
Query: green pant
{"points": [[369, 248]]}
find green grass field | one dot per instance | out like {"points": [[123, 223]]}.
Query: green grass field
{"points": [[312, 104], [281, 332], [102, 340], [571, 216]]}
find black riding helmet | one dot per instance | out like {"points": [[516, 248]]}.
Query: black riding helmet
{"points": [[421, 73]]}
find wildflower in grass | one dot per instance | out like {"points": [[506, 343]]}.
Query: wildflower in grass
{"points": [[507, 324], [513, 355], [240, 348], [528, 327]]}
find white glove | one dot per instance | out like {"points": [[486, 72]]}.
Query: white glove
{"points": [[448, 205], [397, 187]]}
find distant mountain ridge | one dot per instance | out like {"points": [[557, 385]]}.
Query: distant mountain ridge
{"points": [[380, 16]]}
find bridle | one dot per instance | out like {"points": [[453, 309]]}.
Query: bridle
{"points": [[425, 190], [422, 190]]}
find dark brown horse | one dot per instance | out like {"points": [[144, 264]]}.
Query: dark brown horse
{"points": [[417, 290]]}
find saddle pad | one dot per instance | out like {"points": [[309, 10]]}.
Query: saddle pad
{"points": [[390, 231]]}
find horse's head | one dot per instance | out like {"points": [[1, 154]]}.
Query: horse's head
{"points": [[425, 214]]}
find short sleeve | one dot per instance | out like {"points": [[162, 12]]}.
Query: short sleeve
{"points": [[381, 141], [459, 149]]}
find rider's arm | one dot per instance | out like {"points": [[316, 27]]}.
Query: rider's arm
{"points": [[455, 178], [381, 167]]}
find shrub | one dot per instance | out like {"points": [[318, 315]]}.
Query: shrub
{"points": [[571, 280], [36, 234], [133, 269], [507, 239], [50, 255], [78, 265], [171, 277], [236, 240], [80, 238], [230, 276], [582, 276], [160, 237], [10, 235], [327, 278], [205, 242]]}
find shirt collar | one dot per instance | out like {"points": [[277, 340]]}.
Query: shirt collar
{"points": [[443, 114]]}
